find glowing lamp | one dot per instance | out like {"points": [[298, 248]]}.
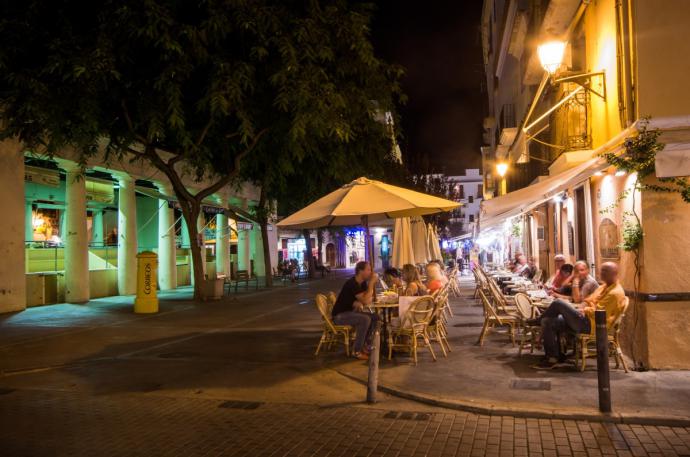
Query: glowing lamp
{"points": [[620, 173], [501, 169], [551, 55]]}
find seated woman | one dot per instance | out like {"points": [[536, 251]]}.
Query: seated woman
{"points": [[566, 289], [391, 277], [435, 278], [413, 285]]}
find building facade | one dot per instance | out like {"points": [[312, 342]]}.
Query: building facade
{"points": [[70, 236], [469, 189], [568, 81]]}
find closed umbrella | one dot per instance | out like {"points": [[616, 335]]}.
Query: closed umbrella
{"points": [[363, 201], [402, 243], [434, 247], [420, 245]]}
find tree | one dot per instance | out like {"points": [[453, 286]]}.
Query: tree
{"points": [[196, 89]]}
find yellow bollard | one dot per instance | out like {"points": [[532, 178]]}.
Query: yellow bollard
{"points": [[147, 278]]}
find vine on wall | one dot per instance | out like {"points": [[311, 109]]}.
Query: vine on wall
{"points": [[640, 158]]}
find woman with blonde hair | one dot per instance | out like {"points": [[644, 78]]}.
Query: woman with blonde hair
{"points": [[434, 277], [413, 285]]}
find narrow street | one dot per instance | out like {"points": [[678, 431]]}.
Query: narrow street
{"points": [[238, 377]]}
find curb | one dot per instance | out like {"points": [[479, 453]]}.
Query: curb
{"points": [[536, 413]]}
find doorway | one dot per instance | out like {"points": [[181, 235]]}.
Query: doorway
{"points": [[330, 254]]}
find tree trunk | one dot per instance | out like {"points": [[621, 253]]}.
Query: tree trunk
{"points": [[319, 243], [190, 212], [308, 257], [263, 221]]}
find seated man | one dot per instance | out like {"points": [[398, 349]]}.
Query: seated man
{"points": [[582, 284], [557, 279], [531, 270], [357, 292], [521, 265], [561, 315]]}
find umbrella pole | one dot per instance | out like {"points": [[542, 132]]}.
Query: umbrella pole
{"points": [[368, 251], [373, 375]]}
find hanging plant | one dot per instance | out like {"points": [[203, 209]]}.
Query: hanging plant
{"points": [[515, 230], [632, 234]]}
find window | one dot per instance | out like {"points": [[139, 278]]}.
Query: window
{"points": [[470, 199], [461, 191], [471, 217], [480, 190]]}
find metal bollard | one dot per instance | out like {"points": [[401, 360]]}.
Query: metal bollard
{"points": [[373, 382], [603, 361]]}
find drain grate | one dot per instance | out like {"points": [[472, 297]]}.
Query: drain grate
{"points": [[530, 384], [240, 404], [177, 355], [469, 324], [407, 416]]}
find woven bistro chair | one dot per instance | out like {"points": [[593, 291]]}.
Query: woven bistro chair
{"points": [[413, 325], [332, 297], [500, 301], [436, 329], [332, 333], [526, 311], [493, 319], [584, 342]]}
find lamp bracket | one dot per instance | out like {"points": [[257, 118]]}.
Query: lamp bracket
{"points": [[584, 80]]}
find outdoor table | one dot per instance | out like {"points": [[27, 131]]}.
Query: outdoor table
{"points": [[385, 310]]}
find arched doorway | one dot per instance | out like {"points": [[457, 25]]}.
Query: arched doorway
{"points": [[330, 254]]}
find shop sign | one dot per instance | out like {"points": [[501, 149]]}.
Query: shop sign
{"points": [[42, 176]]}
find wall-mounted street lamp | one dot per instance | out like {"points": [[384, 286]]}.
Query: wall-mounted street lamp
{"points": [[501, 169], [551, 56]]}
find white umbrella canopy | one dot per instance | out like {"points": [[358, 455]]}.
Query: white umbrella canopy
{"points": [[434, 247], [402, 243], [365, 198], [420, 244]]}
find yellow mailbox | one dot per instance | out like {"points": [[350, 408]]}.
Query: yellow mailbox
{"points": [[147, 278]]}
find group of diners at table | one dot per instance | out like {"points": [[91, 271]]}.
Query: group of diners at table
{"points": [[569, 299], [354, 302]]}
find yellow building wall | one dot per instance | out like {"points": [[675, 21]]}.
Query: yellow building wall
{"points": [[663, 46], [600, 39]]}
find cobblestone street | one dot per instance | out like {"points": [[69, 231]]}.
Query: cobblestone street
{"points": [[40, 423]]}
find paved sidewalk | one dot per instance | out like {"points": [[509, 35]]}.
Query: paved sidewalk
{"points": [[494, 379]]}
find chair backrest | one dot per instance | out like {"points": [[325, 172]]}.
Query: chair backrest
{"points": [[242, 275], [323, 306], [419, 313], [619, 319], [524, 305], [489, 310]]}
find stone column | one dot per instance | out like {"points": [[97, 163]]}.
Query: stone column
{"points": [[97, 228], [167, 253], [222, 245], [12, 267], [127, 236], [28, 221], [75, 237], [257, 249]]}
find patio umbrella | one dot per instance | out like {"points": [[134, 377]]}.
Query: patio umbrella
{"points": [[364, 200], [434, 248], [402, 243], [420, 245]]}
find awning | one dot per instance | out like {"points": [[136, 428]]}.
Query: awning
{"points": [[673, 161], [497, 210]]}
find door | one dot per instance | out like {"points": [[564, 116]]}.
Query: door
{"points": [[330, 254]]}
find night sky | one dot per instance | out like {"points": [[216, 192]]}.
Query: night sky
{"points": [[438, 43]]}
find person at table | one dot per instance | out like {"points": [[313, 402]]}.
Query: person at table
{"points": [[561, 315], [557, 279], [530, 270], [391, 277], [413, 285], [582, 284], [566, 288], [434, 277], [358, 292], [521, 265]]}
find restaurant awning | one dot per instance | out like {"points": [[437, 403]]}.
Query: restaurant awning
{"points": [[497, 210], [673, 161]]}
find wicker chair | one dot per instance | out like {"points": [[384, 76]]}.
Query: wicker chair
{"points": [[436, 329], [584, 341], [413, 325], [493, 319], [526, 311], [332, 333]]}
